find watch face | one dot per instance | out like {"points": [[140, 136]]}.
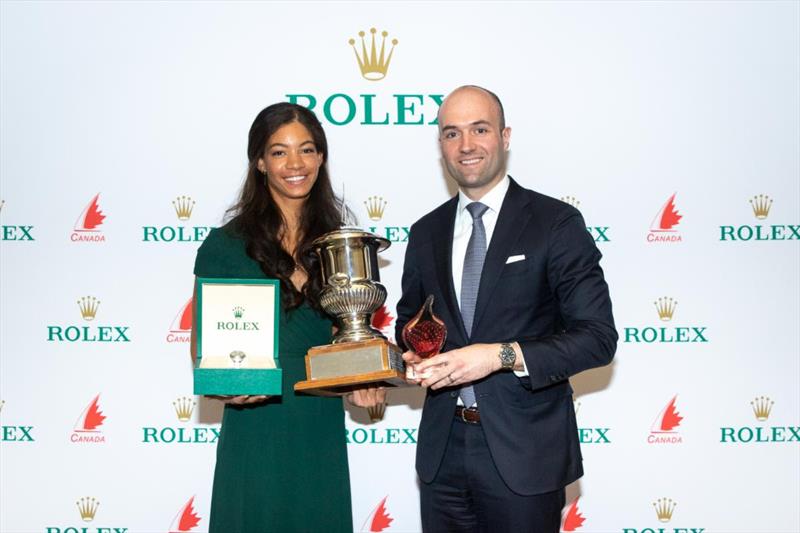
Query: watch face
{"points": [[507, 356]]}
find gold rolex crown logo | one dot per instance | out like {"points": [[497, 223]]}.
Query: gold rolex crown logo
{"points": [[88, 508], [184, 407], [376, 412], [238, 311], [183, 207], [762, 407], [571, 200], [666, 308], [88, 306], [761, 205], [373, 64], [664, 509], [375, 205]]}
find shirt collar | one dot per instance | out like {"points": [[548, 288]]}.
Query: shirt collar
{"points": [[493, 199]]}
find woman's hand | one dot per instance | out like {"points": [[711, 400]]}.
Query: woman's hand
{"points": [[240, 400], [412, 360], [367, 396]]}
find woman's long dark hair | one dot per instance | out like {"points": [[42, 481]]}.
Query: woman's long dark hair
{"points": [[257, 219]]}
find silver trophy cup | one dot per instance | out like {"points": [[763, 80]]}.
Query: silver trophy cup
{"points": [[359, 354], [349, 261]]}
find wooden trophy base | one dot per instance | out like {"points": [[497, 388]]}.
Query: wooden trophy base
{"points": [[337, 369]]}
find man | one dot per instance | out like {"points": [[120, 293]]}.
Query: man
{"points": [[516, 280]]}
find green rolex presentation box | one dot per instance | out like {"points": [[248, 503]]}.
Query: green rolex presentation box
{"points": [[237, 337]]}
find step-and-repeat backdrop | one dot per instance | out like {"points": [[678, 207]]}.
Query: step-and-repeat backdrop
{"points": [[673, 127]]}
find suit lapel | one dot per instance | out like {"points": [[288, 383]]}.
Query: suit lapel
{"points": [[511, 221], [443, 251]]}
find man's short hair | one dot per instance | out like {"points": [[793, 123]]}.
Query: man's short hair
{"points": [[494, 97]]}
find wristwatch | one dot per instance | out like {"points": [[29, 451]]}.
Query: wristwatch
{"points": [[507, 356]]}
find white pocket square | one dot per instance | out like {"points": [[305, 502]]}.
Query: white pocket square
{"points": [[514, 259]]}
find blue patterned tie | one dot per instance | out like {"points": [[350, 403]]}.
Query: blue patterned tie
{"points": [[471, 280]]}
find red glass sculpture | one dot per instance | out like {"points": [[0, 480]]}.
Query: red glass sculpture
{"points": [[425, 333]]}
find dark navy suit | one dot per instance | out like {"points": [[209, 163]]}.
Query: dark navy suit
{"points": [[555, 303]]}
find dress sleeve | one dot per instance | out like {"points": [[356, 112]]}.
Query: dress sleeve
{"points": [[213, 256]]}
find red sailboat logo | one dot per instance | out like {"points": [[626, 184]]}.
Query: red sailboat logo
{"points": [[91, 418], [186, 519], [668, 419], [665, 427], [181, 328], [87, 427], [382, 318], [573, 519], [183, 320], [91, 217], [378, 519], [667, 217]]}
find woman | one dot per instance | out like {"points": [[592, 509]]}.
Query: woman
{"points": [[282, 461]]}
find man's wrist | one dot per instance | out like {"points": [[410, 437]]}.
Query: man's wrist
{"points": [[507, 356], [493, 352]]}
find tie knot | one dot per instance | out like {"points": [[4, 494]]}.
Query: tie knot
{"points": [[477, 209]]}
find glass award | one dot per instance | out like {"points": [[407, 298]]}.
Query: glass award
{"points": [[425, 333]]}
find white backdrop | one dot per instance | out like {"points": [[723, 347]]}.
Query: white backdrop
{"points": [[619, 105]]}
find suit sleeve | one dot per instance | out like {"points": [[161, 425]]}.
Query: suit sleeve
{"points": [[413, 296], [588, 338]]}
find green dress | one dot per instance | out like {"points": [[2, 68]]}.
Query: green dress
{"points": [[282, 465]]}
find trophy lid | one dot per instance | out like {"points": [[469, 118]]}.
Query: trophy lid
{"points": [[346, 233]]}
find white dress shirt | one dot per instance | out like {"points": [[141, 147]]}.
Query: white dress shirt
{"points": [[462, 231]]}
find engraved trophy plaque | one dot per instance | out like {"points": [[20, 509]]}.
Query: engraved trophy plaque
{"points": [[359, 354]]}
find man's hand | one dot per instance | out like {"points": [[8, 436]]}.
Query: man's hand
{"points": [[457, 367], [240, 400], [367, 397]]}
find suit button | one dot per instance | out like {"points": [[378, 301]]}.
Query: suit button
{"points": [[453, 394]]}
